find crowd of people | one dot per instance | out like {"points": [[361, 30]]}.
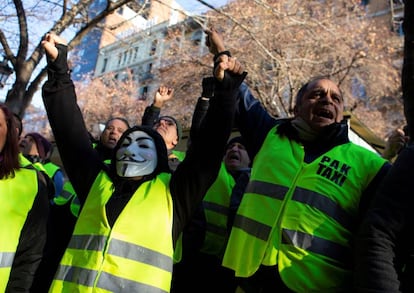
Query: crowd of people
{"points": [[286, 205]]}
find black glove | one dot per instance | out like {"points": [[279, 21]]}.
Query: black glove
{"points": [[59, 67], [208, 87]]}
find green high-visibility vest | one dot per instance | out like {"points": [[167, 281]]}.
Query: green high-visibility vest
{"points": [[216, 208], [24, 162], [18, 195], [300, 216], [179, 155], [51, 169], [68, 195]]}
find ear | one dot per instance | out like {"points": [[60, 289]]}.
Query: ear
{"points": [[175, 141], [295, 110]]}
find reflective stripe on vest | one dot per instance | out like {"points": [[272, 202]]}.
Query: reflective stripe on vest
{"points": [[300, 215], [134, 256], [6, 259], [118, 248], [216, 208], [20, 192]]}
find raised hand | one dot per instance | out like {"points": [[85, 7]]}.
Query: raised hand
{"points": [[231, 64], [49, 44], [162, 95]]}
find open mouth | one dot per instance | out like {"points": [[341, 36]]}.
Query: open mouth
{"points": [[233, 156], [324, 113], [128, 161]]}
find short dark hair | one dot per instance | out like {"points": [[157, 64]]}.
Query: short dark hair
{"points": [[117, 118], [177, 125]]}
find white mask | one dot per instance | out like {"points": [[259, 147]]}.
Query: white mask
{"points": [[137, 155]]}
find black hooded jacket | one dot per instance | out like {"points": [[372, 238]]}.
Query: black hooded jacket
{"points": [[188, 183]]}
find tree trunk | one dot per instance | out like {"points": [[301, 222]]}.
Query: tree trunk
{"points": [[16, 98]]}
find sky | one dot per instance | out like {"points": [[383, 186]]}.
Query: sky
{"points": [[192, 6], [196, 7]]}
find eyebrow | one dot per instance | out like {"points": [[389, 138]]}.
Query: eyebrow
{"points": [[142, 138], [322, 89]]}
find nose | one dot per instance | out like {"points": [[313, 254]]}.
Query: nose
{"points": [[234, 147], [326, 99], [129, 151]]}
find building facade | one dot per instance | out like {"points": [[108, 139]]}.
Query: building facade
{"points": [[117, 26]]}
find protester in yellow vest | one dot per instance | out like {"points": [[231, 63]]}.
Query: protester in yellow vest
{"points": [[66, 206], [204, 239], [37, 149], [24, 209], [309, 184], [132, 212]]}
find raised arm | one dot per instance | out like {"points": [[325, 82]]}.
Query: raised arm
{"points": [[152, 112], [197, 172], [78, 157], [250, 113]]}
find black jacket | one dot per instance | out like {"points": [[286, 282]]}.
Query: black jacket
{"points": [[188, 183], [384, 246], [385, 249]]}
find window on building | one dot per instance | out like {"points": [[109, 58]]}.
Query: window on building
{"points": [[125, 57], [153, 47], [398, 25], [136, 49], [105, 63], [143, 93], [119, 59], [197, 37]]}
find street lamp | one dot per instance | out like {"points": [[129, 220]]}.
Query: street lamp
{"points": [[5, 72]]}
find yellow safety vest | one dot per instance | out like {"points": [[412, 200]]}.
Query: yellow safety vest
{"points": [[18, 195], [51, 169], [135, 255], [179, 155], [216, 209], [24, 162], [300, 216]]}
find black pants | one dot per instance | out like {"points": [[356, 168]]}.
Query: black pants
{"points": [[265, 280]]}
